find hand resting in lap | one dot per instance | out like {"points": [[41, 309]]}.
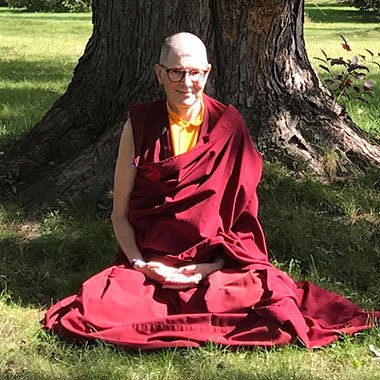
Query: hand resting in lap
{"points": [[178, 278]]}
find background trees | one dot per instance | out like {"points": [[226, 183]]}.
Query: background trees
{"points": [[49, 5], [365, 5]]}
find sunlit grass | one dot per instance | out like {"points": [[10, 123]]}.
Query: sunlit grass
{"points": [[37, 59]]}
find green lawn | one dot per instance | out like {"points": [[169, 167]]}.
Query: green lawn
{"points": [[37, 60], [327, 234]]}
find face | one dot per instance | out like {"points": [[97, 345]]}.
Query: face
{"points": [[185, 93]]}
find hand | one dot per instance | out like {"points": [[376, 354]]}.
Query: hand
{"points": [[169, 277], [155, 271], [203, 269], [193, 273]]}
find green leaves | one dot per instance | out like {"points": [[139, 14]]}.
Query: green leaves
{"points": [[351, 81]]}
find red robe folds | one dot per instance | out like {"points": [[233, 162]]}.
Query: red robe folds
{"points": [[193, 208]]}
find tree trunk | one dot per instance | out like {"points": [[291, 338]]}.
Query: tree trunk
{"points": [[259, 64]]}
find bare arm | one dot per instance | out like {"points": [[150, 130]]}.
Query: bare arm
{"points": [[124, 181]]}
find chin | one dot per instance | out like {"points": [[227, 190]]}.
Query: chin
{"points": [[188, 100]]}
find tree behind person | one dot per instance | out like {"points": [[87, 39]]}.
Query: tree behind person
{"points": [[260, 65]]}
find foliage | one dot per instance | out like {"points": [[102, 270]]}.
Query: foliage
{"points": [[52, 5], [77, 5], [351, 80], [364, 5]]}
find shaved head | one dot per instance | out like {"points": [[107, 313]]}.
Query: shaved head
{"points": [[183, 44], [184, 56]]}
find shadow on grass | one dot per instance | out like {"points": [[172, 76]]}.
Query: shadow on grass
{"points": [[330, 236], [40, 71], [21, 110], [50, 261], [19, 101], [347, 32], [338, 13], [29, 88]]}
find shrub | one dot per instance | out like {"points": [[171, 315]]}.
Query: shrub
{"points": [[364, 5], [38, 5], [51, 5], [350, 80], [77, 5]]}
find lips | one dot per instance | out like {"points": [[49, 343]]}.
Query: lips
{"points": [[186, 92]]}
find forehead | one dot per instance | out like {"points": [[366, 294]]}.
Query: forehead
{"points": [[186, 58]]}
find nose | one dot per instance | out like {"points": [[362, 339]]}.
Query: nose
{"points": [[186, 79]]}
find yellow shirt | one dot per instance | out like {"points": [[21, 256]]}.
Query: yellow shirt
{"points": [[184, 134]]}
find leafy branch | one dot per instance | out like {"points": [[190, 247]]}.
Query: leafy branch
{"points": [[351, 81]]}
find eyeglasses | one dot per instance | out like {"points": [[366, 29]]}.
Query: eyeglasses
{"points": [[176, 75]]}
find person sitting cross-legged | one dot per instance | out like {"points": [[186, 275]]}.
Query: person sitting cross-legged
{"points": [[192, 264]]}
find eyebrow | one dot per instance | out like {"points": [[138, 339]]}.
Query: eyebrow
{"points": [[186, 68]]}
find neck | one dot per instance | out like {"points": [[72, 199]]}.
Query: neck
{"points": [[187, 113]]}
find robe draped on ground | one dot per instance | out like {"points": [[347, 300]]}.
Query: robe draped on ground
{"points": [[195, 207]]}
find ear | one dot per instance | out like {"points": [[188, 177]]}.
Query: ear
{"points": [[208, 71], [159, 73]]}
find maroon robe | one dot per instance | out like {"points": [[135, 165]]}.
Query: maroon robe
{"points": [[195, 207]]}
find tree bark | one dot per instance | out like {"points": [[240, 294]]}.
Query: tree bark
{"points": [[259, 64]]}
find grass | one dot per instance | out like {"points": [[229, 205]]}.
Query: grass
{"points": [[36, 65], [327, 234]]}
